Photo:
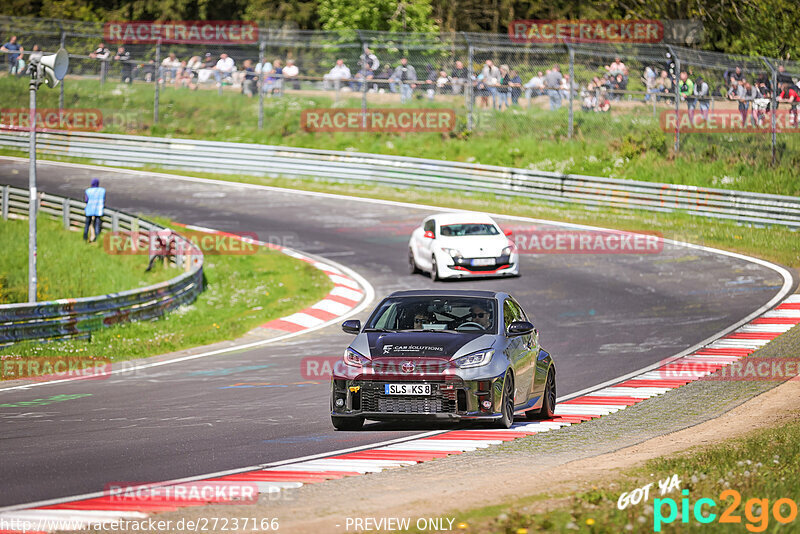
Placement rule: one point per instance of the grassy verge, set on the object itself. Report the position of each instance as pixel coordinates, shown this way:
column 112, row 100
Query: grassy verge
column 627, row 143
column 241, row 292
column 67, row 267
column 763, row 466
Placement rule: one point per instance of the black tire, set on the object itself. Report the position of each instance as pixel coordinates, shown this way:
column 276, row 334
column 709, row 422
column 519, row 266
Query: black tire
column 507, row 403
column 547, row 411
column 347, row 423
column 412, row 264
column 434, row 270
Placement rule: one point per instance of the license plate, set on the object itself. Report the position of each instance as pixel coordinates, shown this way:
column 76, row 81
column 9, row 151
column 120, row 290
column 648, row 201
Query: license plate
column 407, row 389
column 482, row 262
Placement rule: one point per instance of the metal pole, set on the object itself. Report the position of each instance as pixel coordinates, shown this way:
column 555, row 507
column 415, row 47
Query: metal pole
column 571, row 83
column 677, row 103
column 34, row 85
column 773, row 112
column 262, row 48
column 468, row 87
column 61, row 88
column 156, row 76
column 364, row 86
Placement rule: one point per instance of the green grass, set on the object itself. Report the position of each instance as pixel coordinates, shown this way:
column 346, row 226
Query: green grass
column 762, row 465
column 627, row 143
column 67, row 267
column 241, row 292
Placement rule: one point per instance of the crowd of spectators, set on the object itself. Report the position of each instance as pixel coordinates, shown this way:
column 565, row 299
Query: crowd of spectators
column 496, row 87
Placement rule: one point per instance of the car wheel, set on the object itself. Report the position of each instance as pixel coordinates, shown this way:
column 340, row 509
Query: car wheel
column 412, row 263
column 547, row 411
column 507, row 404
column 434, row 270
column 347, row 423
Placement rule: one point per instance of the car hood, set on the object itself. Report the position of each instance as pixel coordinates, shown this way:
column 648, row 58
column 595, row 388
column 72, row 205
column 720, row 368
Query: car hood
column 444, row 345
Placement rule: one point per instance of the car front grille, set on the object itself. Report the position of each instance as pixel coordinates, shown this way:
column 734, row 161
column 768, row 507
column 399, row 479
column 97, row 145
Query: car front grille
column 373, row 399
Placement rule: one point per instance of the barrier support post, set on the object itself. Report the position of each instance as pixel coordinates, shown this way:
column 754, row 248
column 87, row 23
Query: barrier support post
column 156, row 76
column 65, row 209
column 4, row 203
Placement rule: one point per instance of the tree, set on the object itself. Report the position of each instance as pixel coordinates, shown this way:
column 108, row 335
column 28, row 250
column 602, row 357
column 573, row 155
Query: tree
column 385, row 15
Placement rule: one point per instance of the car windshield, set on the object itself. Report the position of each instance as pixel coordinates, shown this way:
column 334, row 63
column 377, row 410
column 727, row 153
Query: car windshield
column 459, row 230
column 435, row 313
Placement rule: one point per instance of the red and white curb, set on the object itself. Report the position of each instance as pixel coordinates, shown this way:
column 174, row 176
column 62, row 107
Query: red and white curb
column 353, row 462
column 346, row 294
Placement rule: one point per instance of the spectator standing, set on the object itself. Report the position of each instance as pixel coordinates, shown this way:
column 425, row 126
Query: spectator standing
column 406, row 74
column 534, row 87
column 369, row 60
column 552, row 82
column 101, row 52
column 617, row 67
column 491, row 80
column 700, row 97
column 442, row 82
column 125, row 66
column 95, row 198
column 290, row 73
column 339, row 72
column 36, row 54
column 783, row 76
column 459, row 77
column 515, row 86
column 504, row 91
column 13, row 58
column 686, row 90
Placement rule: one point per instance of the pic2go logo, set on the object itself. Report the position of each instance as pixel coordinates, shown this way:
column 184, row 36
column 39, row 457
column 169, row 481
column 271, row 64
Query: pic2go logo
column 756, row 511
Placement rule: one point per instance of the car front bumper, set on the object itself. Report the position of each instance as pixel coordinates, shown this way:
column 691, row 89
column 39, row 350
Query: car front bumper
column 450, row 400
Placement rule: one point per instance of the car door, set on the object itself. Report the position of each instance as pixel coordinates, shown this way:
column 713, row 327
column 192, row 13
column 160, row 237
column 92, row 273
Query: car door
column 427, row 242
column 538, row 367
column 519, row 354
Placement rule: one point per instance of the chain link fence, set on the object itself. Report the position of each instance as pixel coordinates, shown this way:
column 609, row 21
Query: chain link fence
column 493, row 85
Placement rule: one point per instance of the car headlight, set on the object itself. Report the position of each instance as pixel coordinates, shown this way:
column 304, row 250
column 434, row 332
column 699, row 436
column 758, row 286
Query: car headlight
column 453, row 252
column 507, row 251
column 354, row 359
column 476, row 359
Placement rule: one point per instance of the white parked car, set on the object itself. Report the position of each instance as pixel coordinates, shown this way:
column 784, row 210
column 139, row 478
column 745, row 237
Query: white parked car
column 461, row 245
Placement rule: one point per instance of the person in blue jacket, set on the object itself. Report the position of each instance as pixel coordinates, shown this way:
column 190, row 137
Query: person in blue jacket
column 95, row 198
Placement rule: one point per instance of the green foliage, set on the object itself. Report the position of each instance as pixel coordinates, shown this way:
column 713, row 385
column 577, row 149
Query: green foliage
column 386, row 15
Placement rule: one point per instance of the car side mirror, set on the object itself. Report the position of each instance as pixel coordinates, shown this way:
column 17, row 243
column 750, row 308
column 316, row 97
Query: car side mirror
column 520, row 328
column 507, row 233
column 351, row 326
column 429, row 234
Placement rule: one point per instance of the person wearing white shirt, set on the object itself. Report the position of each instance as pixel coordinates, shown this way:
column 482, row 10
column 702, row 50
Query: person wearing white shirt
column 338, row 73
column 290, row 72
column 224, row 68
column 534, row 87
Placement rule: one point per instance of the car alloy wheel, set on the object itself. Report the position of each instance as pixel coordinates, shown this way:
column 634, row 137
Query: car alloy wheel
column 547, row 410
column 507, row 403
column 434, row 270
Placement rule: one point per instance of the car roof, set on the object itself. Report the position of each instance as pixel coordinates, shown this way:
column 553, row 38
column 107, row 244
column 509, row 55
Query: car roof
column 462, row 218
column 449, row 293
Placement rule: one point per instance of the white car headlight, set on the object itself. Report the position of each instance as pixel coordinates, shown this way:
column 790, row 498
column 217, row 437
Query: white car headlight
column 354, row 359
column 476, row 359
column 453, row 252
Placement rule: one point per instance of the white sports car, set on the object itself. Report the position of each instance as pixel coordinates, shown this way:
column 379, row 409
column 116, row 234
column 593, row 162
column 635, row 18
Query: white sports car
column 460, row 245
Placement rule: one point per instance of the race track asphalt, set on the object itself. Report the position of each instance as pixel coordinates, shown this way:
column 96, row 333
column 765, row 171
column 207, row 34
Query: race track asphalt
column 600, row 315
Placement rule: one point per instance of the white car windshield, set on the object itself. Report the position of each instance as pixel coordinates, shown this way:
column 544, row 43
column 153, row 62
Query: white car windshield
column 468, row 229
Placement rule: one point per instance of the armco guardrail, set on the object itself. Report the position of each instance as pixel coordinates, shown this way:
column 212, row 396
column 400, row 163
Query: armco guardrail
column 267, row 160
column 77, row 317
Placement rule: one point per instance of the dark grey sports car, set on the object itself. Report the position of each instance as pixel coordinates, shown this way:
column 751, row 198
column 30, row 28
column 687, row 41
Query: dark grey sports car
column 452, row 355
